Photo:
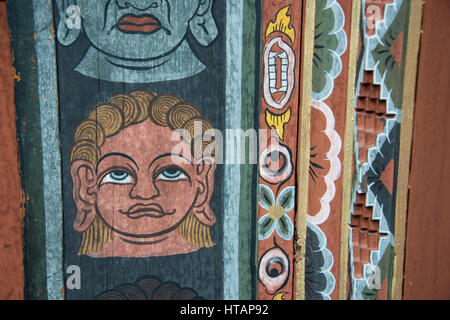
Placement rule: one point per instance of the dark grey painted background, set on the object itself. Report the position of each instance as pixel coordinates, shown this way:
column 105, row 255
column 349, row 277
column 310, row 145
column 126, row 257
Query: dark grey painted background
column 202, row 270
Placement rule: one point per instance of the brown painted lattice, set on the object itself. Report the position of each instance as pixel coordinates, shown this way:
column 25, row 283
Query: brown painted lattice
column 365, row 233
column 370, row 115
column 370, row 119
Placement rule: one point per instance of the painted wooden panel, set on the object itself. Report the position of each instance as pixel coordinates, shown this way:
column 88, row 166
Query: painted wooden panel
column 212, row 149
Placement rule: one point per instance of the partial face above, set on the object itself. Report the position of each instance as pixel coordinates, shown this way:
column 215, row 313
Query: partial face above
column 143, row 188
column 137, row 29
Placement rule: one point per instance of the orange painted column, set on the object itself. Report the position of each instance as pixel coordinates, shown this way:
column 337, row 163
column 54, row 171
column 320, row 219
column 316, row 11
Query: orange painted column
column 11, row 253
column 427, row 255
column 280, row 74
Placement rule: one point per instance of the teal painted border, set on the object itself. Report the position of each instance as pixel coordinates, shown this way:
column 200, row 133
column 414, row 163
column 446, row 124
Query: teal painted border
column 51, row 157
column 26, row 96
column 232, row 178
column 36, row 99
column 249, row 173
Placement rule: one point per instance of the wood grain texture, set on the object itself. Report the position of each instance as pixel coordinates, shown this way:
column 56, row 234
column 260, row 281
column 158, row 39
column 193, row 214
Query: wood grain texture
column 11, row 256
column 426, row 273
column 306, row 70
column 409, row 93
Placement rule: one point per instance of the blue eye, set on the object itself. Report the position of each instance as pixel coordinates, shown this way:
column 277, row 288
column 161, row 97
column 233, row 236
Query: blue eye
column 117, row 177
column 172, row 174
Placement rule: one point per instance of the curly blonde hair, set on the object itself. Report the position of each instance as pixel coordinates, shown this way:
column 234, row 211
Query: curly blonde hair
column 123, row 110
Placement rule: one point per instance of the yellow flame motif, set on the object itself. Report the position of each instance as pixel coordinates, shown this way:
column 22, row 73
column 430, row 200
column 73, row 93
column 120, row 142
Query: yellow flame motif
column 279, row 296
column 282, row 24
column 278, row 121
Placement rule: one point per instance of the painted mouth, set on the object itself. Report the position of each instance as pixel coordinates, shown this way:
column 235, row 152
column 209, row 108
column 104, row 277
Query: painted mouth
column 139, row 24
column 278, row 74
column 140, row 210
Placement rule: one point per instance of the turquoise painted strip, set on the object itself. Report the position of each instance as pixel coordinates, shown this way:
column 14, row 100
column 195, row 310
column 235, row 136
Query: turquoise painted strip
column 26, row 97
column 249, row 172
column 232, row 178
column 51, row 157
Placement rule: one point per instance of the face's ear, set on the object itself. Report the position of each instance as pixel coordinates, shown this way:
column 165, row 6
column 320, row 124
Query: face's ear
column 69, row 26
column 202, row 25
column 84, row 193
column 205, row 177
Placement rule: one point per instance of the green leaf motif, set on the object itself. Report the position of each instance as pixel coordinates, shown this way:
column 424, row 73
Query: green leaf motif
column 266, row 226
column 330, row 43
column 389, row 70
column 266, row 197
column 285, row 228
column 286, row 199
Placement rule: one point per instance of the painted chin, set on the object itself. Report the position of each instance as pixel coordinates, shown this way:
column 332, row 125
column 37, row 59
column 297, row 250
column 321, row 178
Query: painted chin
column 145, row 24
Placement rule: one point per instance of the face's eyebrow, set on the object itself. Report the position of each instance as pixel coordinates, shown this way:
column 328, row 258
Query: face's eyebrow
column 169, row 155
column 116, row 154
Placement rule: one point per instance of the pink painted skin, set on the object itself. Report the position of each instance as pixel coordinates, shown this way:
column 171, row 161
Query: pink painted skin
column 144, row 183
column 144, row 190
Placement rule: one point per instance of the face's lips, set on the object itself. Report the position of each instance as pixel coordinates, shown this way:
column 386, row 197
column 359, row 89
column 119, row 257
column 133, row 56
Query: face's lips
column 140, row 210
column 139, row 24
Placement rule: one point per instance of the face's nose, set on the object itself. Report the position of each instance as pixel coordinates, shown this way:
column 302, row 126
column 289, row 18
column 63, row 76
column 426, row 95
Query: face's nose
column 139, row 4
column 144, row 189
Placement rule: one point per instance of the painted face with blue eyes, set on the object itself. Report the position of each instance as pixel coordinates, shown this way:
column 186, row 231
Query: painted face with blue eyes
column 123, row 177
column 146, row 184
